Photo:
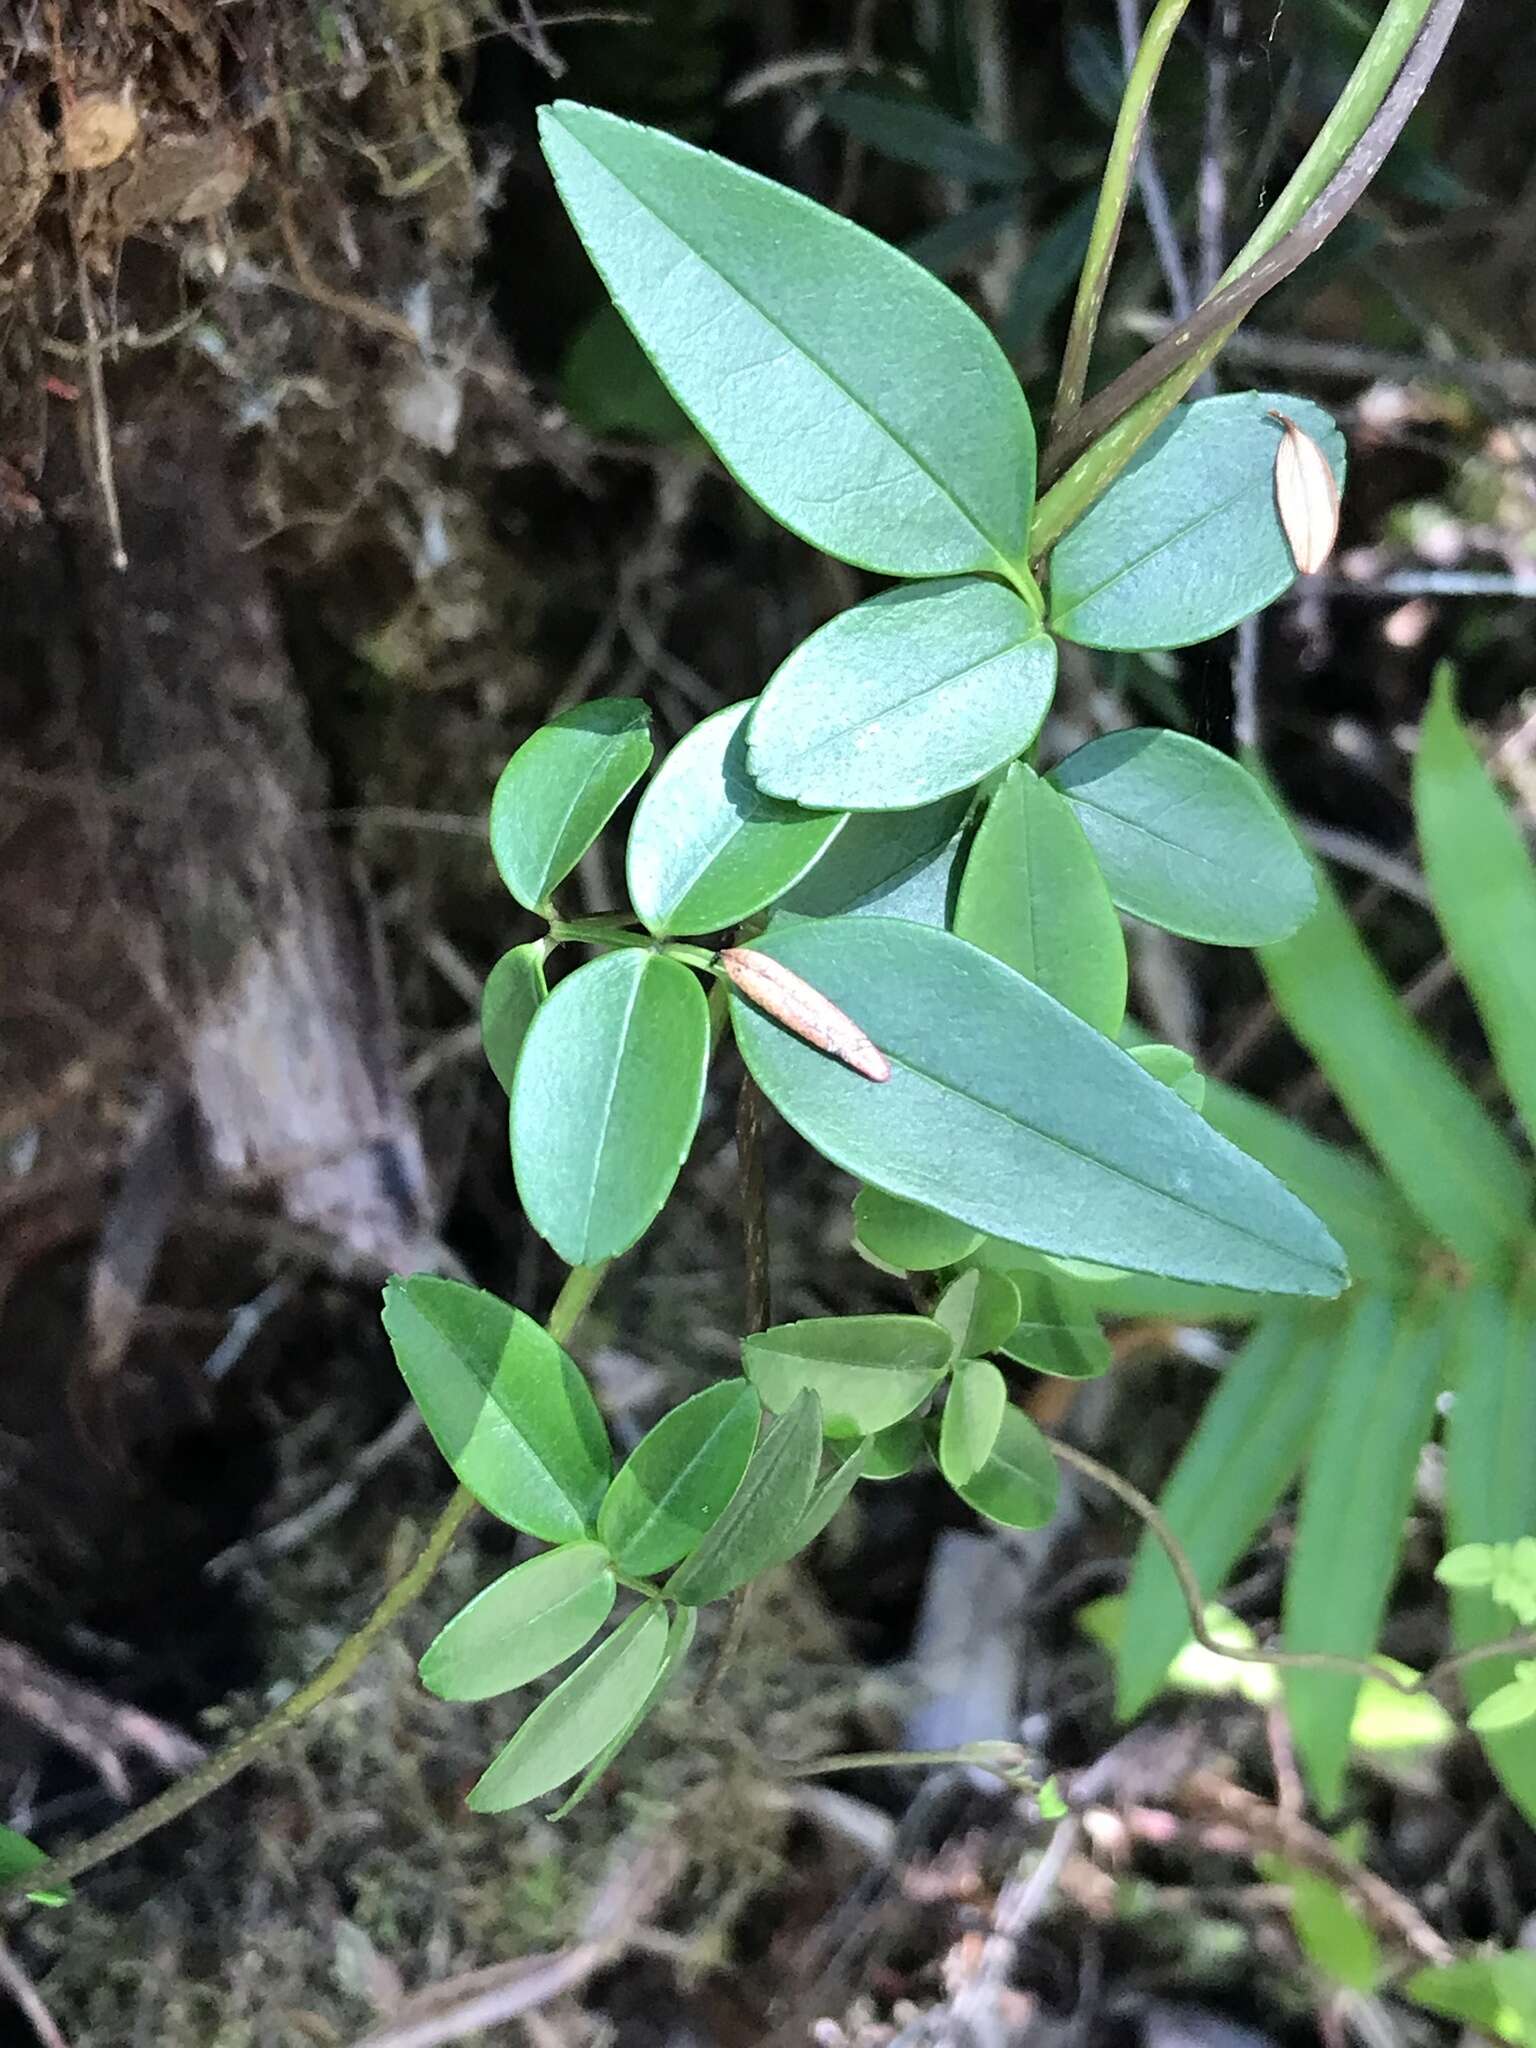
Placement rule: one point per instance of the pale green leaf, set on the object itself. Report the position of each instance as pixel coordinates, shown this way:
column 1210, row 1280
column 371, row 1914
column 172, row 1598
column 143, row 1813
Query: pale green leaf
column 866, row 1371
column 530, row 1619
column 674, row 1484
column 560, row 789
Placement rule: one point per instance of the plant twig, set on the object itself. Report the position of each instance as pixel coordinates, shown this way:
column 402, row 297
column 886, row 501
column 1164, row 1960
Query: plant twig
column 1155, row 203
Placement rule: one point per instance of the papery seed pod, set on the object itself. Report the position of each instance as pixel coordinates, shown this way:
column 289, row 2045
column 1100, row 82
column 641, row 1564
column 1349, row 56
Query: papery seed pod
column 1306, row 496
column 803, row 1010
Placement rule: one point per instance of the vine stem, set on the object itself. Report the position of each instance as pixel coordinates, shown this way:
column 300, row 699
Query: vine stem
column 575, row 1297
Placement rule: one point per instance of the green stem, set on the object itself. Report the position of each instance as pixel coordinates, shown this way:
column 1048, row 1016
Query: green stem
column 596, row 931
column 1109, row 216
column 575, row 1296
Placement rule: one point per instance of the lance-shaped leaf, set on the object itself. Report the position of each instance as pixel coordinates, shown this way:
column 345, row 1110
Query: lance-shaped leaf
column 910, row 697
column 1005, row 1111
column 560, row 789
column 681, row 1629
column 527, row 1621
column 676, row 1481
column 978, row 1309
column 866, row 1371
column 1018, row 1482
column 580, row 1718
column 972, row 1420
column 514, row 989
column 1376, row 1413
column 857, row 399
column 606, row 1100
column 907, row 1237
column 707, row 847
column 1034, row 896
column 1189, row 539
column 913, row 132
column 506, row 1407
column 1484, row 888
column 1187, row 838
column 887, row 864
column 772, row 1498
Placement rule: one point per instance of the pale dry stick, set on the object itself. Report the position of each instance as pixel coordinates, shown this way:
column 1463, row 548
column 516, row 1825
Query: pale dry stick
column 23, row 1993
column 1149, row 182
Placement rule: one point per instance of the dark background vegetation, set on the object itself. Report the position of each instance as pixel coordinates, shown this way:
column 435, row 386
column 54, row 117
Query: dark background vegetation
column 289, row 284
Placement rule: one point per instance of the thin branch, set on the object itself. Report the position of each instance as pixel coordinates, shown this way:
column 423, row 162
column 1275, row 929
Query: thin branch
column 1149, row 183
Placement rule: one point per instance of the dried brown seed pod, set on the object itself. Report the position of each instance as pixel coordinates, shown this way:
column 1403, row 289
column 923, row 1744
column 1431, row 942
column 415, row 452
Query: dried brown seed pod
column 1306, row 495
column 803, row 1010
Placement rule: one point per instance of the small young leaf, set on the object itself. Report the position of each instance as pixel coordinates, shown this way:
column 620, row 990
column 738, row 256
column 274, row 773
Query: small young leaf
column 1468, row 1565
column 1188, row 540
column 1057, row 1332
column 1334, row 1936
column 1495, row 1994
column 909, row 697
column 772, row 1497
column 861, row 403
column 866, row 1371
column 1018, row 1483
column 1484, row 889
column 1171, row 1065
column 972, row 1420
column 579, row 1718
column 887, row 864
column 907, row 1237
column 506, row 1407
column 606, row 1100
column 680, row 1633
column 560, row 789
column 1033, row 896
column 913, row 132
column 896, row 1451
column 524, row 1623
column 1187, row 839
column 514, row 989
column 979, row 1309
column 707, row 847
column 1387, row 1720
column 1007, row 1112
column 676, row 1481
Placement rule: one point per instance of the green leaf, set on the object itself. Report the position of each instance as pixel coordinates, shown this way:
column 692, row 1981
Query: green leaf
column 1450, row 1160
column 1375, row 1415
column 1046, row 277
column 1057, row 1331
column 1334, row 1936
column 580, row 1718
column 913, row 132
column 1033, row 896
column 606, row 1101
column 947, row 245
column 680, row 1633
column 896, row 1451
column 1240, row 1460
column 1495, row 1994
column 1007, row 1112
column 560, row 789
column 972, row 1420
column 1197, row 1669
column 1187, row 838
column 887, row 864
column 506, row 1407
column 828, row 1497
column 530, row 1619
column 676, row 1481
column 905, row 1236
column 514, row 989
column 866, row 1371
column 707, row 846
column 979, row 1309
column 17, row 1856
column 1188, row 539
column 1505, row 1707
column 1387, row 1720
column 911, row 696
column 859, row 402
column 1468, row 1565
column 609, row 387
column 1490, row 1489
column 1484, row 890
column 1174, row 1067
column 772, row 1497
column 1019, row 1482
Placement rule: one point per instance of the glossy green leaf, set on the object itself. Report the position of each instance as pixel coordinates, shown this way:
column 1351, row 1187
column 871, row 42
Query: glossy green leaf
column 829, row 1496
column 506, row 1407
column 905, row 1236
column 1188, row 539
column 866, row 1371
column 772, row 1497
column 1376, row 1412
column 1171, row 1065
column 1009, row 1113
column 1490, row 1487
column 1334, row 1936
column 913, row 132
column 1033, row 895
column 514, row 989
column 972, row 1420
column 1240, row 1460
column 1449, row 1159
column 1484, row 890
column 978, row 1309
column 707, row 846
column 580, row 1718
column 606, row 1100
column 17, row 1857
column 887, row 864
column 681, row 1630
column 1057, row 1331
column 1495, row 1994
column 1018, row 1484
column 678, row 1478
column 859, row 402
column 560, row 789
column 909, row 697
column 527, row 1621
column 896, row 1451
column 609, row 387
column 1187, row 838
